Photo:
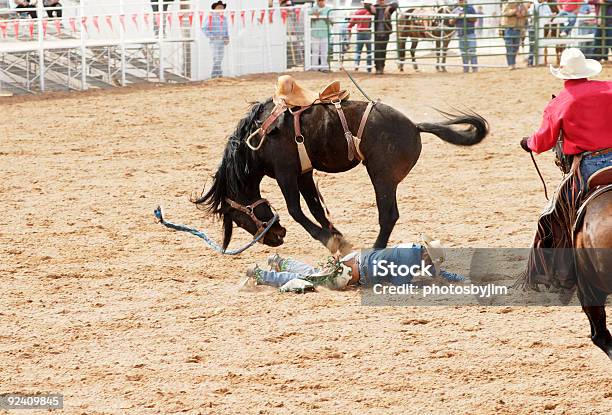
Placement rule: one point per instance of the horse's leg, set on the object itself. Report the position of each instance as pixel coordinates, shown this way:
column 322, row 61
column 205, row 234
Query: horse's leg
column 401, row 44
column 597, row 318
column 388, row 213
column 289, row 186
column 444, row 51
column 413, row 45
column 309, row 192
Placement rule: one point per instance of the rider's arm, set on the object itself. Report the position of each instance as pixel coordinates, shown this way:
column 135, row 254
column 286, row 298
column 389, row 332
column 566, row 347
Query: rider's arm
column 545, row 138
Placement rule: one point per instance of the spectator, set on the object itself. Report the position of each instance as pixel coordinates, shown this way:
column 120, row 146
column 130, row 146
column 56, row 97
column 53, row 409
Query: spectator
column 362, row 21
column 514, row 19
column 544, row 14
column 320, row 35
column 27, row 4
column 570, row 11
column 54, row 8
column 216, row 31
column 382, row 30
column 603, row 33
column 466, row 34
column 165, row 4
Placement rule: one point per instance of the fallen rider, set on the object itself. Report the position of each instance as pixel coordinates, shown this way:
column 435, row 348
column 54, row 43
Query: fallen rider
column 366, row 268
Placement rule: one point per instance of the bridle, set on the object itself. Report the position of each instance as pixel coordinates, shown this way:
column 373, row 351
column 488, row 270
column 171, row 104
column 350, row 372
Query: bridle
column 249, row 210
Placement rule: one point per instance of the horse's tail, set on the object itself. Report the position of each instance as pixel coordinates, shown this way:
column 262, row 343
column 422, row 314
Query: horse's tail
column 477, row 130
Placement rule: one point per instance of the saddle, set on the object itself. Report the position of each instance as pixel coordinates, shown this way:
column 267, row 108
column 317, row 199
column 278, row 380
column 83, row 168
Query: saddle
column 290, row 96
column 600, row 182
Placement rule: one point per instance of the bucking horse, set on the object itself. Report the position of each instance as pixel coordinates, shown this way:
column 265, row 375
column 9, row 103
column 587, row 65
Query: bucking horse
column 320, row 125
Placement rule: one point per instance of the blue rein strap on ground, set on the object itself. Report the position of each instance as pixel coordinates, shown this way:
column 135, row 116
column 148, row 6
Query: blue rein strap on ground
column 183, row 228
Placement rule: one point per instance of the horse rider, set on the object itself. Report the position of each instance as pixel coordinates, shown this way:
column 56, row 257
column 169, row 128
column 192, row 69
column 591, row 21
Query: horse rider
column 577, row 121
column 366, row 267
column 581, row 113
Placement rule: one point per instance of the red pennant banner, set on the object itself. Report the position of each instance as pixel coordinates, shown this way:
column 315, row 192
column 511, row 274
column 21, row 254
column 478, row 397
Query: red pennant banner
column 201, row 19
column 169, row 17
column 45, row 23
column 210, row 20
column 181, row 17
column 3, row 26
column 157, row 19
column 262, row 16
column 58, row 26
column 135, row 20
column 16, row 27
column 122, row 21
column 31, row 28
column 72, row 23
column 252, row 15
column 84, row 23
column 95, row 23
column 146, row 19
column 190, row 15
column 284, row 14
column 297, row 13
column 109, row 22
column 221, row 18
column 232, row 16
column 271, row 15
column 242, row 16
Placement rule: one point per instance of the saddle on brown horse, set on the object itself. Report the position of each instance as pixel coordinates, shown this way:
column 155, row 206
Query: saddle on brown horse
column 292, row 97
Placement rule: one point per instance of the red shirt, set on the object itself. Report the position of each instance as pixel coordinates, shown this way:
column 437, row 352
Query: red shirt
column 583, row 109
column 363, row 23
column 568, row 7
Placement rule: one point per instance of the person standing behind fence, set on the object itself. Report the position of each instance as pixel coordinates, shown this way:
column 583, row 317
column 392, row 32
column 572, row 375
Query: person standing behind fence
column 382, row 12
column 540, row 11
column 362, row 21
column 570, row 11
column 603, row 33
column 514, row 20
column 320, row 35
column 216, row 31
column 466, row 34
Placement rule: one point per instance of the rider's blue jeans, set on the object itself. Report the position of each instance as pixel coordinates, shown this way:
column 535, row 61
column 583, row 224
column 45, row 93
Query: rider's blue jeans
column 590, row 164
column 290, row 270
column 467, row 45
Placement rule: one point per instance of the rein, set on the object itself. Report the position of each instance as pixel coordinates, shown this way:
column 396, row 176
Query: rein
column 539, row 174
column 262, row 227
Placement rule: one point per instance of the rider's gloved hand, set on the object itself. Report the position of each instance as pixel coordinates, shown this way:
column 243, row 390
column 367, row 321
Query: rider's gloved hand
column 524, row 144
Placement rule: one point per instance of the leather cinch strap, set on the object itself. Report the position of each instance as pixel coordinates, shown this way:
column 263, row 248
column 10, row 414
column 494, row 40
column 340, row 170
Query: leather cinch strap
column 305, row 163
column 348, row 135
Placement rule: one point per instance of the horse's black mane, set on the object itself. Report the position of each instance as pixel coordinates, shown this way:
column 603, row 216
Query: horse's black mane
column 235, row 167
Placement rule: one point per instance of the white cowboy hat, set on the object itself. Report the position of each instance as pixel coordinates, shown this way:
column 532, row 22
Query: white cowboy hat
column 574, row 65
column 435, row 250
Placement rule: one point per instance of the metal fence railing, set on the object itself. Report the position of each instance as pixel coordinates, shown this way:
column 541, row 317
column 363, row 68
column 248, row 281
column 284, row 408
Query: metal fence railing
column 106, row 43
column 494, row 34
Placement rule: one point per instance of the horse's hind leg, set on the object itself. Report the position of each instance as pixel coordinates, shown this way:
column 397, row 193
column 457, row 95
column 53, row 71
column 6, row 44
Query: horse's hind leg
column 388, row 213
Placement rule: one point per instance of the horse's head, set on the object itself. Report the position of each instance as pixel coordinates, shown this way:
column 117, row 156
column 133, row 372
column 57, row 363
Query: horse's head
column 234, row 195
column 253, row 217
column 443, row 17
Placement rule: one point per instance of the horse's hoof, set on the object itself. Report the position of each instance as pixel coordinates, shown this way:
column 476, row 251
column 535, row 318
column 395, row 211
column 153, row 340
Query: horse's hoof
column 337, row 243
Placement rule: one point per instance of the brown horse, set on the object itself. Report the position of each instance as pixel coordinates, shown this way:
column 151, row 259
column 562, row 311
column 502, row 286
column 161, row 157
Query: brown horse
column 594, row 267
column 415, row 24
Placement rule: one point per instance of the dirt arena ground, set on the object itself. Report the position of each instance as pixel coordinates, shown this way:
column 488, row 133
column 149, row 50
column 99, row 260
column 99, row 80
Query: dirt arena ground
column 122, row 316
